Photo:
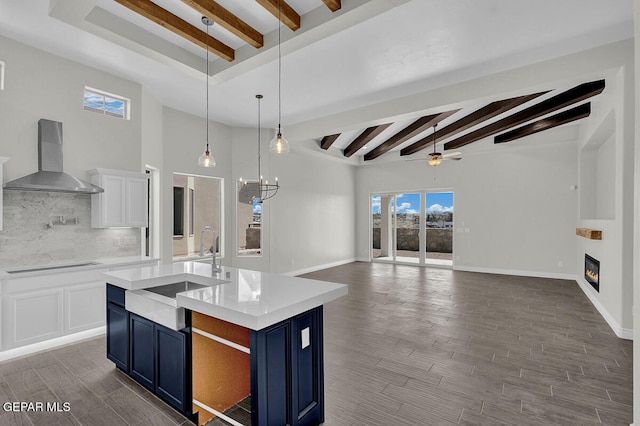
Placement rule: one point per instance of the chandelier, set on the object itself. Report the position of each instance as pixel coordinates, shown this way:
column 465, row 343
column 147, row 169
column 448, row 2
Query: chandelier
column 261, row 190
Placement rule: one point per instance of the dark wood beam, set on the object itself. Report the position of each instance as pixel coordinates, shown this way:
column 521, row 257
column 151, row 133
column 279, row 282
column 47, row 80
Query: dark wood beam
column 365, row 137
column 227, row 20
column 413, row 129
column 564, row 117
column 485, row 113
column 281, row 10
column 327, row 141
column 562, row 100
column 333, row 5
column 168, row 20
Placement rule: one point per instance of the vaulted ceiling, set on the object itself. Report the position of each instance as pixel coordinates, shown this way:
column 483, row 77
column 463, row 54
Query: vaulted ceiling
column 345, row 56
column 374, row 141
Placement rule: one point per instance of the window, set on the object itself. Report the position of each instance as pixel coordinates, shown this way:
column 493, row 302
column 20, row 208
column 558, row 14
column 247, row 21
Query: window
column 249, row 220
column 1, row 75
column 106, row 103
column 178, row 211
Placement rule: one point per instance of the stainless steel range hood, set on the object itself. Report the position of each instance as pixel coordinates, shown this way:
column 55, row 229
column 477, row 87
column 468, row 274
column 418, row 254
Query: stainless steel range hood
column 50, row 177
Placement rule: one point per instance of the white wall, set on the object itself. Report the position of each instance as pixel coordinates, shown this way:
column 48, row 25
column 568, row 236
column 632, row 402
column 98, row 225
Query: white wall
column 42, row 85
column 312, row 219
column 610, row 131
column 514, row 210
column 183, row 140
column 152, row 157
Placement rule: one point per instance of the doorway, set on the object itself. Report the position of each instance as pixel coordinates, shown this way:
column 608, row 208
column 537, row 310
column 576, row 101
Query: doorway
column 412, row 228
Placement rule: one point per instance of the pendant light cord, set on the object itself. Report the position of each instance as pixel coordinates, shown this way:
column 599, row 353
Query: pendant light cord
column 259, row 156
column 207, row 44
column 279, row 69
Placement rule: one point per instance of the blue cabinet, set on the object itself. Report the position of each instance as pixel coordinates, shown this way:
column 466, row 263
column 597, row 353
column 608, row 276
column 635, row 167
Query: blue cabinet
column 117, row 328
column 141, row 342
column 173, row 367
column 118, row 336
column 155, row 356
column 287, row 383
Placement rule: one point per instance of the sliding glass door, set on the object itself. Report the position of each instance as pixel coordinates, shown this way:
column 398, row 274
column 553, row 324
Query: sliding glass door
column 412, row 228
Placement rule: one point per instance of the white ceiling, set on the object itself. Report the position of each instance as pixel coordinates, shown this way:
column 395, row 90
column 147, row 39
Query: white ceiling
column 392, row 52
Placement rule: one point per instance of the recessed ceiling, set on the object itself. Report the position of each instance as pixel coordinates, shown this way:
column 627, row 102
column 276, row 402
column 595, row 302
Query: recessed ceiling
column 370, row 51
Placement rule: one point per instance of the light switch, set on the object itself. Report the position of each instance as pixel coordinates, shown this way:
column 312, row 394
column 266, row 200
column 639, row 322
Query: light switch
column 304, row 337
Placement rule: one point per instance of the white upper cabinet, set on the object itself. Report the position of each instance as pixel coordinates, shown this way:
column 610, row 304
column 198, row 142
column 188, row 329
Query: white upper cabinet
column 2, row 161
column 124, row 200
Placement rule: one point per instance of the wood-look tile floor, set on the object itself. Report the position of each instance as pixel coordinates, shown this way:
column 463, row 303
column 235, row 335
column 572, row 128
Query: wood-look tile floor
column 407, row 346
column 426, row 346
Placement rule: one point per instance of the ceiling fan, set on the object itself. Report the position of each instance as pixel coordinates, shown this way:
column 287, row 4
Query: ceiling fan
column 435, row 158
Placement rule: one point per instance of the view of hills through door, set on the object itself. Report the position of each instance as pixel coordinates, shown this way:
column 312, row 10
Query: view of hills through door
column 412, row 227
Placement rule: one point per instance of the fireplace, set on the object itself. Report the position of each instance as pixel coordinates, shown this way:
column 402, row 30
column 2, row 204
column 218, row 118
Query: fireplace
column 592, row 271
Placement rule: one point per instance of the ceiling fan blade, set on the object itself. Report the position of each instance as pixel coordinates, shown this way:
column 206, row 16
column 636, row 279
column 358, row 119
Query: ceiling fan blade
column 453, row 158
column 451, row 154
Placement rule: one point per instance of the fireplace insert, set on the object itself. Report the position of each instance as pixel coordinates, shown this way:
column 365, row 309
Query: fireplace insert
column 592, row 271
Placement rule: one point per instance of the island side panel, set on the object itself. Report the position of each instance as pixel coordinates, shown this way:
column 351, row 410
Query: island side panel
column 221, row 373
column 288, row 372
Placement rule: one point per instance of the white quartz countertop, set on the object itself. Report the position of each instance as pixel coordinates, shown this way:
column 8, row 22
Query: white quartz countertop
column 248, row 298
column 79, row 265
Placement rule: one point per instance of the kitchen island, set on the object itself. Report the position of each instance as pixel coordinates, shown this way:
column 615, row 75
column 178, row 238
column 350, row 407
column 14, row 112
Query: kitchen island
column 205, row 340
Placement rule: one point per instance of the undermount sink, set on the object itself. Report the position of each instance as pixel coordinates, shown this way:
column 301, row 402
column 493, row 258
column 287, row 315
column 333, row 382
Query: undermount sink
column 170, row 290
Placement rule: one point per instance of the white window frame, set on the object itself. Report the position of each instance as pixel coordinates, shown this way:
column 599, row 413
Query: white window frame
column 127, row 102
column 2, row 75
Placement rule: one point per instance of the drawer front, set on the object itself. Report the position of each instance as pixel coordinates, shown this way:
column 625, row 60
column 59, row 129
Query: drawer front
column 115, row 295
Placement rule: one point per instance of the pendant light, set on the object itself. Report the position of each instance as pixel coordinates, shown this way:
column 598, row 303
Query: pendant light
column 207, row 159
column 436, row 157
column 261, row 190
column 279, row 145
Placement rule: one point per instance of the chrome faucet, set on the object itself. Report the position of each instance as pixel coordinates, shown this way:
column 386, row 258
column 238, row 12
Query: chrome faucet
column 214, row 266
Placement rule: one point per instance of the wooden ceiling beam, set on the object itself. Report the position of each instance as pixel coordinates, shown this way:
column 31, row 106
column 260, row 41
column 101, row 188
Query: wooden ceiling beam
column 365, row 137
column 333, row 5
column 564, row 117
column 562, row 100
column 168, row 20
column 227, row 20
column 327, row 141
column 485, row 113
column 415, row 128
column 281, row 10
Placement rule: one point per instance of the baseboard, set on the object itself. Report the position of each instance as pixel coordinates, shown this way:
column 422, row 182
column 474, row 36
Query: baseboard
column 515, row 272
column 623, row 333
column 363, row 259
column 319, row 267
column 52, row 343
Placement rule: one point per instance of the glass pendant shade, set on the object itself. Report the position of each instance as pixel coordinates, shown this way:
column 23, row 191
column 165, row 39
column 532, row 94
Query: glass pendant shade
column 207, row 159
column 279, row 145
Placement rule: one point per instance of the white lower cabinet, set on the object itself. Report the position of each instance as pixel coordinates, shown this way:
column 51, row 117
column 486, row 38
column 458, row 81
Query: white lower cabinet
column 39, row 308
column 32, row 317
column 84, row 307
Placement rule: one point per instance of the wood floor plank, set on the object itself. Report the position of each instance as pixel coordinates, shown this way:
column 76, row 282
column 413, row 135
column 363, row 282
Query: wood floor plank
column 407, row 346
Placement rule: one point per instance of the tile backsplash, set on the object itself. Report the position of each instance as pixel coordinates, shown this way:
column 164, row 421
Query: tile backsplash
column 27, row 240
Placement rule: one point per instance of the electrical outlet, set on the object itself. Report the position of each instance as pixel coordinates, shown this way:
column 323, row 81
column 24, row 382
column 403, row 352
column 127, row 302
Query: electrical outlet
column 130, row 241
column 117, row 241
column 560, row 264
